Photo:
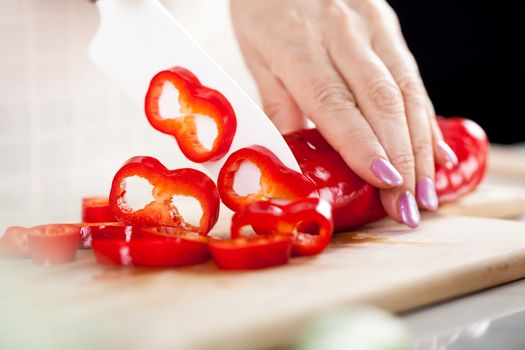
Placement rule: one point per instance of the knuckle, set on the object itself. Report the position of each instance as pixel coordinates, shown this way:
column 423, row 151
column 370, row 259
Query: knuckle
column 385, row 96
column 422, row 148
column 271, row 107
column 405, row 163
column 332, row 97
column 412, row 89
column 356, row 135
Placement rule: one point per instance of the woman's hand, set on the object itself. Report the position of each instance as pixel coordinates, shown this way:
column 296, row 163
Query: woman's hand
column 346, row 66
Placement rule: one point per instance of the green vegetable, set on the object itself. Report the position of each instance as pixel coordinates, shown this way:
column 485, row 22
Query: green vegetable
column 362, row 328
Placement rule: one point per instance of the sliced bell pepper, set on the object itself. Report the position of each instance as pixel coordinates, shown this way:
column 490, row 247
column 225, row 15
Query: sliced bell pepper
column 357, row 203
column 247, row 253
column 276, row 181
column 169, row 250
column 166, row 184
column 54, row 244
column 470, row 144
column 297, row 218
column 110, row 244
column 88, row 230
column 194, row 99
column 13, row 244
column 111, row 252
column 149, row 247
column 96, row 209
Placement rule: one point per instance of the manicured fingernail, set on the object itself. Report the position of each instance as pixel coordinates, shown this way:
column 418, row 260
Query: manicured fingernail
column 386, row 172
column 450, row 157
column 408, row 211
column 426, row 194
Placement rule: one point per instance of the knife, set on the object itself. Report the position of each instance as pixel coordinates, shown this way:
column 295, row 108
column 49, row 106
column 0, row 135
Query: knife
column 138, row 38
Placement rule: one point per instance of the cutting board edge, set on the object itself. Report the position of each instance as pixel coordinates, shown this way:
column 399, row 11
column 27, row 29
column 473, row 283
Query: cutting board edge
column 473, row 279
column 427, row 292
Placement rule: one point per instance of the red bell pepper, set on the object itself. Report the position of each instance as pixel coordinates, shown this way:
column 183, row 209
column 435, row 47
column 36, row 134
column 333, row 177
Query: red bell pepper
column 88, row 230
column 294, row 218
column 194, row 99
column 169, row 251
column 149, row 247
column 277, row 181
column 54, row 244
column 13, row 244
column 247, row 253
column 110, row 243
column 166, row 184
column 96, row 209
column 355, row 202
column 470, row 144
column 111, row 252
column 283, row 227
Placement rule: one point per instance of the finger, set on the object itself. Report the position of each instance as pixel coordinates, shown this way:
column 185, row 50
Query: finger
column 323, row 96
column 401, row 64
column 445, row 156
column 381, row 102
column 277, row 102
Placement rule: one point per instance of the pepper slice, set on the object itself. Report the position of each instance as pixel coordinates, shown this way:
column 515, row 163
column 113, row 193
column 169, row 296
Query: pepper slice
column 297, row 218
column 247, row 253
column 53, row 244
column 110, row 244
column 166, row 184
column 276, row 181
column 355, row 202
column 111, row 252
column 194, row 99
column 182, row 249
column 13, row 244
column 149, row 247
column 90, row 230
column 96, row 209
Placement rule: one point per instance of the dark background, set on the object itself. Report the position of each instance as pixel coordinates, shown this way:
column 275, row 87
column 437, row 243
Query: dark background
column 470, row 54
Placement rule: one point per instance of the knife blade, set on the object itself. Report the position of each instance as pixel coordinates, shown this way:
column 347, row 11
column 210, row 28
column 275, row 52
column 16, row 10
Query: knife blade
column 138, row 38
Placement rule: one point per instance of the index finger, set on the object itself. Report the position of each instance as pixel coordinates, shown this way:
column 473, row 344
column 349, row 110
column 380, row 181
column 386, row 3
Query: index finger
column 323, row 96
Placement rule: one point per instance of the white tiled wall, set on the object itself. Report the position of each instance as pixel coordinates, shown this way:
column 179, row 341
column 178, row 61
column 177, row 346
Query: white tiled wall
column 64, row 129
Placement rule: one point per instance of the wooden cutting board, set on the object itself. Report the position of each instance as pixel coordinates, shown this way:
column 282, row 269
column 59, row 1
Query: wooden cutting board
column 490, row 201
column 508, row 161
column 198, row 307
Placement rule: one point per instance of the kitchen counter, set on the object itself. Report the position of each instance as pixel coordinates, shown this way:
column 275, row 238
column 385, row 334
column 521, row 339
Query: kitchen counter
column 491, row 319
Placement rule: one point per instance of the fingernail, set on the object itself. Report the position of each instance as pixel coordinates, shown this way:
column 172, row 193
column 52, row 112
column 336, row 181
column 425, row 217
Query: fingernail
column 386, row 172
column 426, row 194
column 450, row 157
column 408, row 211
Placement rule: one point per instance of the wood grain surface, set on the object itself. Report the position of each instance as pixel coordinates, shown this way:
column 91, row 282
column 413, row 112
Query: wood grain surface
column 202, row 307
column 491, row 201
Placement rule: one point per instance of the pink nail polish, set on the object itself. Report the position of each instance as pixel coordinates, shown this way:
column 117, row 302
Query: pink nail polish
column 447, row 153
column 408, row 211
column 426, row 194
column 386, row 172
